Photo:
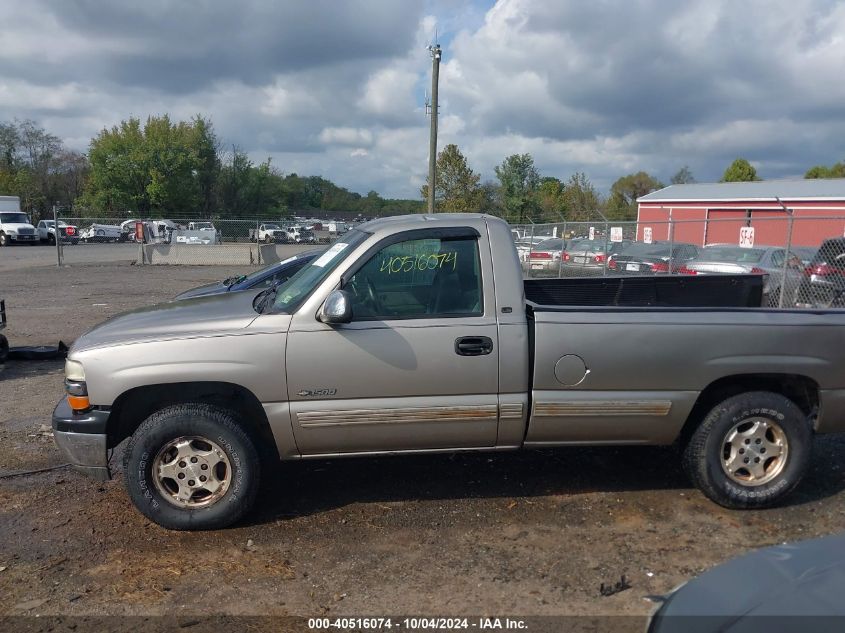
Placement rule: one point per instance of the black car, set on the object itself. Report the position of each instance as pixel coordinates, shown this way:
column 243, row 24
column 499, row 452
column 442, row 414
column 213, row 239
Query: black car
column 260, row 279
column 648, row 259
column 823, row 283
column 794, row 587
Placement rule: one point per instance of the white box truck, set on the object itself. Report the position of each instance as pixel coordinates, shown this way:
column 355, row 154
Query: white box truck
column 15, row 227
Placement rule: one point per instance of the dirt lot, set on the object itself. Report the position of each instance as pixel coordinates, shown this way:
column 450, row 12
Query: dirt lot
column 533, row 533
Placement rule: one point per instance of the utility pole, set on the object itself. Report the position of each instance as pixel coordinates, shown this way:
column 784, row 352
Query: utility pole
column 432, row 145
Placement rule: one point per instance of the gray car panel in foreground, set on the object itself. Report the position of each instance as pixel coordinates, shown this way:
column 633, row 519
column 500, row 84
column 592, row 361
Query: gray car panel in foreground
column 433, row 354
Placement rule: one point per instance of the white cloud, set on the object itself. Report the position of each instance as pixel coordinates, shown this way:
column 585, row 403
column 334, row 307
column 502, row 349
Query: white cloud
column 336, row 89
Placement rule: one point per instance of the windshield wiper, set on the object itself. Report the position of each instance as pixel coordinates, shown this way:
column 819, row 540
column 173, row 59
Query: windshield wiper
column 231, row 281
column 265, row 298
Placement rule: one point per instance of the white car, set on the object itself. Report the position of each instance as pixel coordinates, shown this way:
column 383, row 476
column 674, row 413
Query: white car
column 102, row 233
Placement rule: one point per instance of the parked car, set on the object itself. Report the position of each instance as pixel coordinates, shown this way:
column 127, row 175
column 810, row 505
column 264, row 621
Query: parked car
column 640, row 258
column 545, row 256
column 823, row 281
column 589, row 257
column 806, row 253
column 763, row 260
column 260, row 279
column 47, row 232
column 127, row 228
column 102, row 233
column 784, row 588
column 413, row 335
column 525, row 245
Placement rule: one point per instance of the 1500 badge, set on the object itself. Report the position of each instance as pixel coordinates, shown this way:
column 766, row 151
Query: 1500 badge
column 314, row 393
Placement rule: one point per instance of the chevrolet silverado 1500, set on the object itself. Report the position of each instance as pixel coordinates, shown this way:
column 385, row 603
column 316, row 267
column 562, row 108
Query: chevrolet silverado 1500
column 418, row 334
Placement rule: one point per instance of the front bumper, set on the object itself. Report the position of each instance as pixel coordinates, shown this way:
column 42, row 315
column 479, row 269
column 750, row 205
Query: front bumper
column 82, row 438
column 15, row 237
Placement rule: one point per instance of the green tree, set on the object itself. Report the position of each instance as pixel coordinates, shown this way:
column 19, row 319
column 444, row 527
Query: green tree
column 457, row 186
column 581, row 200
column 518, row 182
column 683, row 176
column 622, row 204
column 740, row 171
column 550, row 199
column 160, row 167
column 823, row 171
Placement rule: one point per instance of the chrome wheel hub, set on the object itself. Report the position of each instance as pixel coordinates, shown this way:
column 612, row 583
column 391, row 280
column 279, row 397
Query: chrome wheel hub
column 191, row 472
column 754, row 451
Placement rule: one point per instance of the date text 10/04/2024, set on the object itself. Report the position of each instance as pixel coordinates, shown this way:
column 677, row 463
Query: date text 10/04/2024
column 417, row 623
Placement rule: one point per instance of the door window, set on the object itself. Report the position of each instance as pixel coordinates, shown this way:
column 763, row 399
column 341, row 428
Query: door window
column 424, row 278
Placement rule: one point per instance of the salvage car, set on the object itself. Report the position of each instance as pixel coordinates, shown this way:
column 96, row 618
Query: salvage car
column 418, row 334
column 276, row 273
column 823, row 282
column 641, row 258
column 787, row 587
column 590, row 257
column 764, row 260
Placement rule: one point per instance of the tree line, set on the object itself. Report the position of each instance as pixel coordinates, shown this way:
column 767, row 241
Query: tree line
column 165, row 168
column 181, row 169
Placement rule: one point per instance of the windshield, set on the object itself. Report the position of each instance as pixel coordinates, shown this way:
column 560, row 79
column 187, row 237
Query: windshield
column 733, row 254
column 590, row 246
column 204, row 225
column 550, row 245
column 14, row 218
column 271, row 227
column 642, row 249
column 295, row 290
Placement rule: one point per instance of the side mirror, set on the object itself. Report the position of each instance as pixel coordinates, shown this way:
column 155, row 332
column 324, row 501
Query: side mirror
column 337, row 308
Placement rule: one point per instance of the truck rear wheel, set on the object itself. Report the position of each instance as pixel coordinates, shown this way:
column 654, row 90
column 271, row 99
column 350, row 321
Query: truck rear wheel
column 750, row 451
column 192, row 467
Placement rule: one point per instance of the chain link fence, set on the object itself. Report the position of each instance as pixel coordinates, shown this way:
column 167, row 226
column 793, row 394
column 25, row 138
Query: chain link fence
column 801, row 264
column 801, row 261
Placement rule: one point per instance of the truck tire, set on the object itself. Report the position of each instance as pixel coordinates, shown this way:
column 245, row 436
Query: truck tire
column 4, row 241
column 750, row 451
column 192, row 466
column 4, row 349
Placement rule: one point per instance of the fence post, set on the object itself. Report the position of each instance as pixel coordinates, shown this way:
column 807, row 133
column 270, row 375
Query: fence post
column 57, row 237
column 606, row 248
column 783, row 279
column 671, row 242
column 258, row 243
column 530, row 248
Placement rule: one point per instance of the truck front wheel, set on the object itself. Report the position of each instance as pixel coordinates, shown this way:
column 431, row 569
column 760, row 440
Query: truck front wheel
column 750, row 451
column 192, row 467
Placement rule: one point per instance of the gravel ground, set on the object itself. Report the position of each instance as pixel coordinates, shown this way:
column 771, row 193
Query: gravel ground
column 532, row 533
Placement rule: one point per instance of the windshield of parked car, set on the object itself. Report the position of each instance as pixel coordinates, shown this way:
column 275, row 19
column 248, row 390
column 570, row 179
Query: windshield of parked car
column 271, row 227
column 296, row 289
column 204, row 225
column 550, row 245
column 590, row 246
column 732, row 254
column 14, row 218
column 641, row 249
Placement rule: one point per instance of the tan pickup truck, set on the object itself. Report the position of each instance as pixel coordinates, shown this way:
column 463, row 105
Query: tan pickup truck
column 418, row 334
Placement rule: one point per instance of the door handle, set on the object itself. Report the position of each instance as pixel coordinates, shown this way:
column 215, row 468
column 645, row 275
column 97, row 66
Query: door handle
column 473, row 345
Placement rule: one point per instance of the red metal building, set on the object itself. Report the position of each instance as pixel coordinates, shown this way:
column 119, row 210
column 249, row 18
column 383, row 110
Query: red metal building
column 709, row 213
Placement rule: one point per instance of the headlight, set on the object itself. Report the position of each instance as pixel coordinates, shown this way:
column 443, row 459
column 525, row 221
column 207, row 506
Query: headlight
column 12, row 231
column 74, row 371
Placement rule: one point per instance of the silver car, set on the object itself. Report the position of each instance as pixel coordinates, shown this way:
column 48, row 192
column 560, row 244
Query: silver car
column 764, row 260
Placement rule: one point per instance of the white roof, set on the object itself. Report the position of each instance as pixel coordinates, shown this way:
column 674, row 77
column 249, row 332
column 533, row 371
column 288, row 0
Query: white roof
column 769, row 190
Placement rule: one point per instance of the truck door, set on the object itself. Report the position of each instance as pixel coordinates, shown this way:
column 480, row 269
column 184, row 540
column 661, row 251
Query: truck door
column 417, row 368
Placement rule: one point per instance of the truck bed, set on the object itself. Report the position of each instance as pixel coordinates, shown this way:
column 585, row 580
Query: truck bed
column 711, row 291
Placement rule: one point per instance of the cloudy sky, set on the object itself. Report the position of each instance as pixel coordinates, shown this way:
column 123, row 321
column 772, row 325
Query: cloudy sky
column 336, row 87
